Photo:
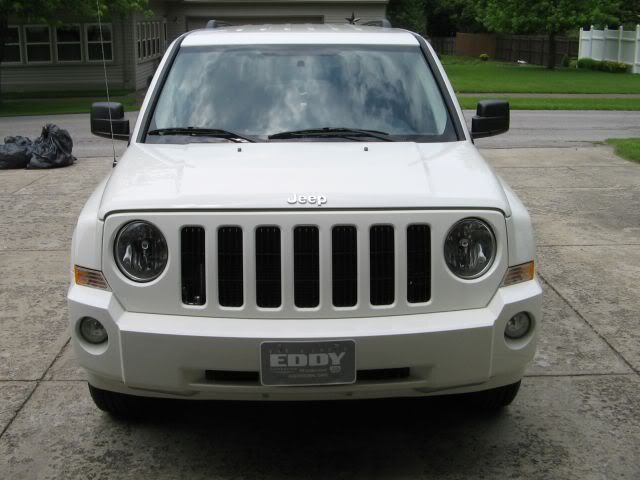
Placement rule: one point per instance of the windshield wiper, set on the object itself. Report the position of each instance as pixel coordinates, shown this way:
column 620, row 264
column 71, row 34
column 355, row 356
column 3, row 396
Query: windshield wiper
column 202, row 132
column 332, row 132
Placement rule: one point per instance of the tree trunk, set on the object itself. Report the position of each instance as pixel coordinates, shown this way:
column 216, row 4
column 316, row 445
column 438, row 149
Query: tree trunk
column 551, row 61
column 4, row 23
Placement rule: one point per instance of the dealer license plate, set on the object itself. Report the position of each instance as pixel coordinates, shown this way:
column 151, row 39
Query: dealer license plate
column 308, row 363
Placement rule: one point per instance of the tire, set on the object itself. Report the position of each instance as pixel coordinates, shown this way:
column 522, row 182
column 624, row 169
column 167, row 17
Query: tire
column 496, row 398
column 120, row 405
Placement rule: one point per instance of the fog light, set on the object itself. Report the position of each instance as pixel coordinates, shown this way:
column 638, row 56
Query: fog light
column 92, row 331
column 518, row 326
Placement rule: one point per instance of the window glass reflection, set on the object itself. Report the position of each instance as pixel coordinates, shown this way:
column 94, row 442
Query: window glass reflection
column 262, row 90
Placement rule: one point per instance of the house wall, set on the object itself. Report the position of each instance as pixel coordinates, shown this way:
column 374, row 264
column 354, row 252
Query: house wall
column 145, row 64
column 130, row 70
column 180, row 16
column 83, row 75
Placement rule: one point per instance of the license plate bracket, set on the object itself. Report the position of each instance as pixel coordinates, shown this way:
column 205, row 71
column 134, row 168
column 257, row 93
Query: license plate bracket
column 307, row 363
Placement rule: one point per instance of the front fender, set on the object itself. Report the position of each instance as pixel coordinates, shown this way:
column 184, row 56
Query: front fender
column 522, row 245
column 86, row 243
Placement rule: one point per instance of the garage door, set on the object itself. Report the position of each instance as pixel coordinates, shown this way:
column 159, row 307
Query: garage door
column 200, row 22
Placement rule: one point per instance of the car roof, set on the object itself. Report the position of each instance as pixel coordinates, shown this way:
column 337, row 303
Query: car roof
column 297, row 34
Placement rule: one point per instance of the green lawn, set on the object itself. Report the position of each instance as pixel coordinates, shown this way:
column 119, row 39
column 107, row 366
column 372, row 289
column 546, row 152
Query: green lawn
column 628, row 148
column 470, row 75
column 51, row 103
column 558, row 103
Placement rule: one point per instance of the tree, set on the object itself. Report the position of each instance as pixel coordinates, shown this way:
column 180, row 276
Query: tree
column 552, row 17
column 436, row 18
column 630, row 13
column 447, row 17
column 409, row 14
column 50, row 11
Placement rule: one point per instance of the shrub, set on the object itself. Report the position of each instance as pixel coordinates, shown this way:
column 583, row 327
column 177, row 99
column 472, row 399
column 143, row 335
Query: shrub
column 573, row 63
column 604, row 66
column 614, row 67
column 587, row 63
column 484, row 57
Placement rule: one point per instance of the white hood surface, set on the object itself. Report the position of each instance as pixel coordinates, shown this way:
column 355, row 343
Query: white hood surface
column 254, row 176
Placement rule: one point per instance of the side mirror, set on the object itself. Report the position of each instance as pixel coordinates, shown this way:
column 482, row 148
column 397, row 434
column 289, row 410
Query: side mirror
column 492, row 118
column 104, row 113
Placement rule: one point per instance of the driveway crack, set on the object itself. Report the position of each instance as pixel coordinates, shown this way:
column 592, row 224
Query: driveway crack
column 38, row 382
column 582, row 317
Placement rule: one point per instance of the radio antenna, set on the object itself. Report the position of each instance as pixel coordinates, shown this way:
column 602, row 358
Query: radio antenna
column 106, row 82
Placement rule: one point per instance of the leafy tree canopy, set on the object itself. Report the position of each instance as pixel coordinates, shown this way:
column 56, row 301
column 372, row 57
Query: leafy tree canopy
column 551, row 17
column 630, row 13
column 409, row 14
column 436, row 18
column 545, row 16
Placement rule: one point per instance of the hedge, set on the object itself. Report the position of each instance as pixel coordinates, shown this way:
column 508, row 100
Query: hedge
column 603, row 66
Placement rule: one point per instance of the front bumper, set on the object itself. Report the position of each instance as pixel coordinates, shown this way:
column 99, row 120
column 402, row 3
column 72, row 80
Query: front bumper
column 167, row 355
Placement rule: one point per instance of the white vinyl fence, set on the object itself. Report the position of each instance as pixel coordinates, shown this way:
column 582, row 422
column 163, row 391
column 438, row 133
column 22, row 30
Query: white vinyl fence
column 612, row 45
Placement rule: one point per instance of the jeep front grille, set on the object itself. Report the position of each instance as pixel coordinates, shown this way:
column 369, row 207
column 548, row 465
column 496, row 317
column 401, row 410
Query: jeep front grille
column 268, row 267
column 230, row 277
column 194, row 288
column 418, row 263
column 306, row 267
column 382, row 276
column 344, row 261
column 305, row 250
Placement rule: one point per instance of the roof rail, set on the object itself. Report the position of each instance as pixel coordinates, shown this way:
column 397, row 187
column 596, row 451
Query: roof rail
column 217, row 24
column 383, row 22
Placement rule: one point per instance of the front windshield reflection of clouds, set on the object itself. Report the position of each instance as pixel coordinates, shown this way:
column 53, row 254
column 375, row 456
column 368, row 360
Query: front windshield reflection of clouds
column 262, row 90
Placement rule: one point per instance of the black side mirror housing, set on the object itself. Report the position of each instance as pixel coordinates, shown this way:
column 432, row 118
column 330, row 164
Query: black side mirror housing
column 492, row 118
column 108, row 115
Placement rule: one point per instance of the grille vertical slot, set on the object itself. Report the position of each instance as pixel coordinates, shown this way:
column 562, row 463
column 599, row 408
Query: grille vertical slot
column 230, row 262
column 382, row 265
column 344, row 244
column 192, row 260
column 268, row 267
column 418, row 263
column 306, row 267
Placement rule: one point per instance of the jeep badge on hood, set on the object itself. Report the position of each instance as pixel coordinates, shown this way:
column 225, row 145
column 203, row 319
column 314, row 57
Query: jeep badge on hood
column 317, row 200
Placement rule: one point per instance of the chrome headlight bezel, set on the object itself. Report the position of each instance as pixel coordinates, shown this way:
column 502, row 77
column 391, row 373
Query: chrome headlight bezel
column 161, row 242
column 494, row 247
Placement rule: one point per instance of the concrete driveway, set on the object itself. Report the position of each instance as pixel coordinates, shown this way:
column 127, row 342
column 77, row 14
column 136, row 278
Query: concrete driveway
column 577, row 416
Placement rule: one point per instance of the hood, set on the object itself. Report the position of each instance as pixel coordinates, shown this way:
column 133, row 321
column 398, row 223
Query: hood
column 214, row 176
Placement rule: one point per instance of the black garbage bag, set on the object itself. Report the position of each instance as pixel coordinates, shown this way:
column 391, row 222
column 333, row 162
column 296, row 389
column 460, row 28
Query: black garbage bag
column 13, row 155
column 20, row 141
column 52, row 149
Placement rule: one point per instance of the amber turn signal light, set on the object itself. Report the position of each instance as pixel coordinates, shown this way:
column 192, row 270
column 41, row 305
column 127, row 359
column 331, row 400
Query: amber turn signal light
column 519, row 273
column 90, row 278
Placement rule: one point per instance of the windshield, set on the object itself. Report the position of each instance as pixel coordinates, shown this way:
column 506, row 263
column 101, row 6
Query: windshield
column 265, row 90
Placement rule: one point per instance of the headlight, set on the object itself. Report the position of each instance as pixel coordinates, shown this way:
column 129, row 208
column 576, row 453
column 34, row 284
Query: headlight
column 141, row 251
column 470, row 248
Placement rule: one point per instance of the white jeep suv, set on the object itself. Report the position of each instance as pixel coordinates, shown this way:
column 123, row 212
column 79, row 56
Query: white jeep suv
column 301, row 214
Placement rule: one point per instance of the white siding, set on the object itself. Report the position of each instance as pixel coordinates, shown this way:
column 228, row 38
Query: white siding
column 129, row 72
column 146, row 67
column 82, row 76
column 187, row 14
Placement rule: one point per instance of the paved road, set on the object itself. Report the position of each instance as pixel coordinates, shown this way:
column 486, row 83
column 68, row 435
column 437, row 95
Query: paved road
column 539, row 128
column 528, row 129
